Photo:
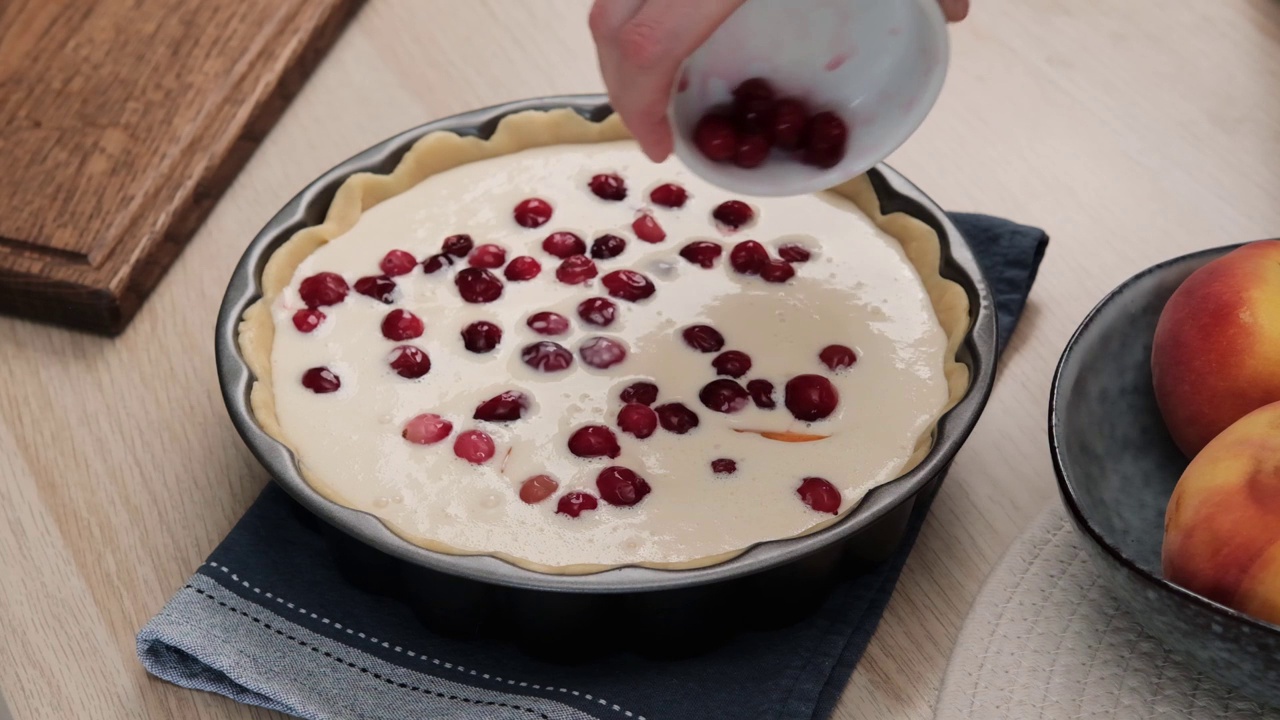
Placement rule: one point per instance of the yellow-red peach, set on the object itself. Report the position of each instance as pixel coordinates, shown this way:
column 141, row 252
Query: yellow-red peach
column 1216, row 351
column 1222, row 525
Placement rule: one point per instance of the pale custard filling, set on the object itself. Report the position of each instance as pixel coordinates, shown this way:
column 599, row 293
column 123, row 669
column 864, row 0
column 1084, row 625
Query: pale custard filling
column 858, row 289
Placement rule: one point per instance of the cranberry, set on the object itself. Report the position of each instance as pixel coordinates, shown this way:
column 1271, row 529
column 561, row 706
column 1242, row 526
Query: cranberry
column 575, row 503
column 819, row 495
column 474, row 446
column 627, row 285
column 794, row 253
column 754, row 88
column 401, row 325
column 648, row 229
column 478, row 285
column 724, row 466
column 669, row 195
column 607, row 246
column 787, row 125
column 715, row 137
column 675, row 417
column 576, row 270
column 409, row 362
column 321, row 380
column 427, row 429
column 457, row 245
column 724, row 396
column 825, row 137
column 733, row 213
column 754, row 116
column 487, row 256
column 591, row 441
column 703, row 338
column 702, row 252
column 837, row 357
column 644, row 393
column 777, row 271
column 602, row 352
column 811, row 397
column 733, row 363
column 532, row 213
column 621, row 486
column 546, row 356
column 638, row 420
column 481, row 336
column 752, row 150
column 396, row 263
column 436, row 263
column 548, row 323
column 608, row 187
column 307, row 320
column 598, row 311
column 378, row 287
column 748, row 257
column 503, row 407
column 762, row 393
column 522, row 268
column 322, row 289
column 538, row 488
column 563, row 244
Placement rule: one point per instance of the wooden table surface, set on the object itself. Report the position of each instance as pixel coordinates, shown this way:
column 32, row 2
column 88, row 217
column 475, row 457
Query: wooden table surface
column 1133, row 131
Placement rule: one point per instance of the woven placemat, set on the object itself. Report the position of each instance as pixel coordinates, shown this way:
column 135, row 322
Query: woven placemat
column 1045, row 639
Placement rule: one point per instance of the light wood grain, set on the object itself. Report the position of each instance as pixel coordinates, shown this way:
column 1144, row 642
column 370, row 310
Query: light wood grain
column 1132, row 131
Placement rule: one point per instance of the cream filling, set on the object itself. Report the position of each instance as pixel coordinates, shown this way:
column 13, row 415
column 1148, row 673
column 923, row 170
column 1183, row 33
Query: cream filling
column 858, row 290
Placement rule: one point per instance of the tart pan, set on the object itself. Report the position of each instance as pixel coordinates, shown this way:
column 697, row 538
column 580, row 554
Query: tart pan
column 673, row 610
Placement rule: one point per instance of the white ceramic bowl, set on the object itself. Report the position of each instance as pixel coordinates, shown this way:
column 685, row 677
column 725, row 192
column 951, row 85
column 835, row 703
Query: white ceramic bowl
column 880, row 64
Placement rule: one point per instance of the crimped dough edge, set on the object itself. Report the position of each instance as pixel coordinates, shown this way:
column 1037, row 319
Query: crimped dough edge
column 442, row 150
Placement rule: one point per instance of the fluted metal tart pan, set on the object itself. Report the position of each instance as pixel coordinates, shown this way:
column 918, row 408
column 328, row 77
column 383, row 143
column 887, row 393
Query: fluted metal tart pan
column 679, row 608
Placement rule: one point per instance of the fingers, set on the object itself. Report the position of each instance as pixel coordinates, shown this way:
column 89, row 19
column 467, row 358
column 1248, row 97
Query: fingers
column 641, row 46
column 608, row 15
column 955, row 10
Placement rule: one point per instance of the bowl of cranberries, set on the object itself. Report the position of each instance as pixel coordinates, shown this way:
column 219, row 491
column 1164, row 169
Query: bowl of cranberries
column 791, row 97
column 660, row 611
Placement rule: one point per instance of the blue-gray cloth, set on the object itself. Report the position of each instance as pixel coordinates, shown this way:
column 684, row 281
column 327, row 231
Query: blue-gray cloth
column 268, row 620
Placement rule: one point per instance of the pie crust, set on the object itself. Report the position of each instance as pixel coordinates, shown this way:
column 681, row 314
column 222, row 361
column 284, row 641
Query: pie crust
column 443, row 150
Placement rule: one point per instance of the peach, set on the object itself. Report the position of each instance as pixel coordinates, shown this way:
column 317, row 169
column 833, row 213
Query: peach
column 1216, row 351
column 1222, row 525
column 785, row 435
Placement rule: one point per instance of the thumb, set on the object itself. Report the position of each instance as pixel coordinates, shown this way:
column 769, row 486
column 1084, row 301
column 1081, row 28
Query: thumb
column 652, row 45
column 955, row 10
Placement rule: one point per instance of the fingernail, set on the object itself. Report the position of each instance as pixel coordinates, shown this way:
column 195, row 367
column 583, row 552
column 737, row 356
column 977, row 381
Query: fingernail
column 656, row 155
column 662, row 147
column 656, row 150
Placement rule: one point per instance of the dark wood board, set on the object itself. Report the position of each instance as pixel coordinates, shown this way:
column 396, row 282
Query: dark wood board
column 121, row 123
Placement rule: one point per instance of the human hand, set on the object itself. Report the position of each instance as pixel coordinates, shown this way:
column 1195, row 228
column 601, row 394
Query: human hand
column 954, row 10
column 641, row 45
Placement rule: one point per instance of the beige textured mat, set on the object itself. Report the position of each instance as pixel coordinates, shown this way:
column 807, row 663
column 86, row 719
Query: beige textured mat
column 1045, row 639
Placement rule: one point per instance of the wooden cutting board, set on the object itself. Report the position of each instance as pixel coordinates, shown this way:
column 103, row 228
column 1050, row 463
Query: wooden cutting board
column 121, row 123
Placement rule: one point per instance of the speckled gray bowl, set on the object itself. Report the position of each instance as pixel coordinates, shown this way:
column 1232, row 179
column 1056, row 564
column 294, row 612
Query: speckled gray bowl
column 1117, row 467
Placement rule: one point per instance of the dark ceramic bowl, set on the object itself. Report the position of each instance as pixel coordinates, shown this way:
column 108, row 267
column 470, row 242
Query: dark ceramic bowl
column 1117, row 467
column 461, row 593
